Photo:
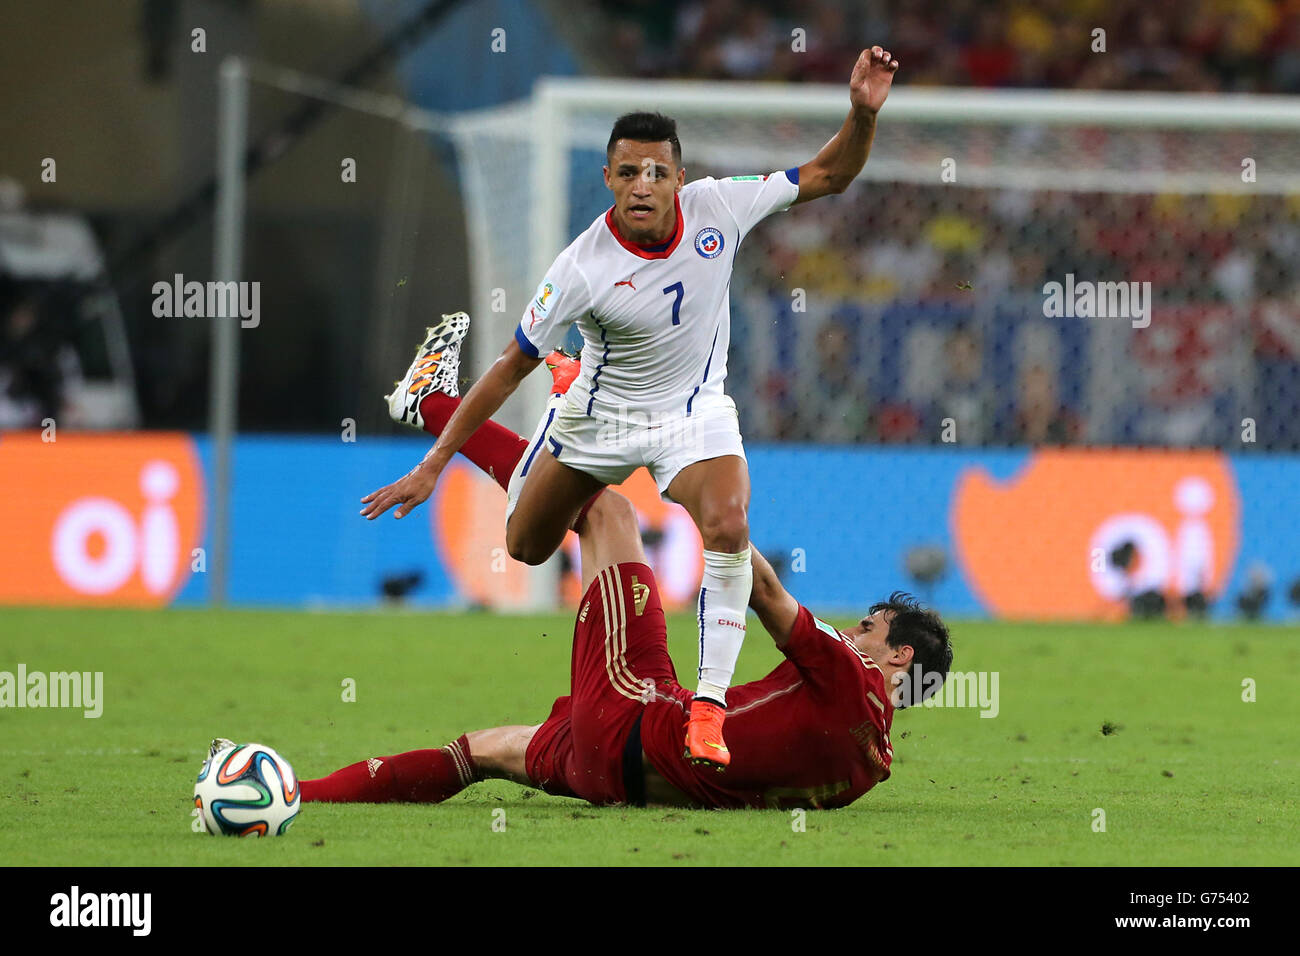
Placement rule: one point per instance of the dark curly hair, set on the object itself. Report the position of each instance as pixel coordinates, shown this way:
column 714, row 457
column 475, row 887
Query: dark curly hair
column 646, row 128
column 912, row 624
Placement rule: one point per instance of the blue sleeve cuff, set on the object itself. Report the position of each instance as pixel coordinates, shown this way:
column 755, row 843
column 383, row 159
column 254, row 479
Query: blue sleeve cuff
column 792, row 174
column 525, row 346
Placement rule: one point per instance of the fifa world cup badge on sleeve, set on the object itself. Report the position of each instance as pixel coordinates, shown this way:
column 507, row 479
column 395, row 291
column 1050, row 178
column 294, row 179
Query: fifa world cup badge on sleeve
column 547, row 293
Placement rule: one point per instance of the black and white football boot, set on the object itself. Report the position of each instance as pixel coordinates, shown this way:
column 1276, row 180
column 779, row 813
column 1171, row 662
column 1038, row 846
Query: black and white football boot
column 436, row 368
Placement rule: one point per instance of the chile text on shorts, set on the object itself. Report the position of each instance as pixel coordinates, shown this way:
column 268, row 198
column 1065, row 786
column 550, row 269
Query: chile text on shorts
column 1098, row 300
column 76, row 689
column 959, row 689
column 208, row 300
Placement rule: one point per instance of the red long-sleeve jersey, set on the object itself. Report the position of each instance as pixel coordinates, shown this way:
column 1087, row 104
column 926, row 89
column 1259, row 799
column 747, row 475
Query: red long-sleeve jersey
column 813, row 733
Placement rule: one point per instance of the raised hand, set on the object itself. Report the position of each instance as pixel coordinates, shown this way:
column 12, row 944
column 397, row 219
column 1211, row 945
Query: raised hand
column 873, row 75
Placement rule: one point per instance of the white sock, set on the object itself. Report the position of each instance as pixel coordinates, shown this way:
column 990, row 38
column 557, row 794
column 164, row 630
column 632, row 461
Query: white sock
column 724, row 596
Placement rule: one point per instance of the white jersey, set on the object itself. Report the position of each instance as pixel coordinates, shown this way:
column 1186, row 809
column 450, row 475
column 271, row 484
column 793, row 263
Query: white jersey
column 656, row 321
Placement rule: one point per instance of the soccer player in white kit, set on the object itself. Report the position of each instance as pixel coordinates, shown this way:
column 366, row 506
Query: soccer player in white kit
column 647, row 284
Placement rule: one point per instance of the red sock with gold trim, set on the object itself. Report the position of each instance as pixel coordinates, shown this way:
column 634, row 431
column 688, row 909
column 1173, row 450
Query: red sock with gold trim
column 418, row 776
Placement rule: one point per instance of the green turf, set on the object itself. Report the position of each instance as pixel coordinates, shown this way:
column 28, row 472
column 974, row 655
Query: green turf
column 1191, row 775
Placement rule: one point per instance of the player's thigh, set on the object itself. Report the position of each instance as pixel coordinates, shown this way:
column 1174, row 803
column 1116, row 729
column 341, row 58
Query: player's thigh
column 610, row 684
column 620, row 643
column 549, row 501
column 715, row 492
column 712, row 483
column 700, row 463
column 570, row 457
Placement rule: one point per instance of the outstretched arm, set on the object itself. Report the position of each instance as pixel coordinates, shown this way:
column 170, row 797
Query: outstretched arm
column 840, row 160
column 487, row 395
column 775, row 606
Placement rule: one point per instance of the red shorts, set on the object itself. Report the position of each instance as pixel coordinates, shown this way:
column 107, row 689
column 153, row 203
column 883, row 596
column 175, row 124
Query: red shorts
column 620, row 664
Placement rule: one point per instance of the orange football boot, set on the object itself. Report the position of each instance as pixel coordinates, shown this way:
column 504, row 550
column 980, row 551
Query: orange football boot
column 704, row 743
column 564, row 369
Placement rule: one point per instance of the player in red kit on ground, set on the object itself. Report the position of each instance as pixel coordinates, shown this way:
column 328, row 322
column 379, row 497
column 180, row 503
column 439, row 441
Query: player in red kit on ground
column 812, row 733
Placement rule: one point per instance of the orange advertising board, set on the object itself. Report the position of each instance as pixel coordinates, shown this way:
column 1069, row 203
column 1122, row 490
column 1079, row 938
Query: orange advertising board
column 98, row 518
column 1038, row 545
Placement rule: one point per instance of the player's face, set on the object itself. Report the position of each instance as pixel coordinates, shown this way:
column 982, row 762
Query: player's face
column 870, row 636
column 644, row 179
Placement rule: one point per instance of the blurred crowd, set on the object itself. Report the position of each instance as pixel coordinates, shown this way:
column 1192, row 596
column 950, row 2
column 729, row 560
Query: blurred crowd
column 1194, row 45
column 926, row 310
column 895, row 348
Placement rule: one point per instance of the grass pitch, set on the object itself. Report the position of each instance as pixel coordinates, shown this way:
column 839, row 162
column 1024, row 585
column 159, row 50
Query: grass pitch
column 1187, row 773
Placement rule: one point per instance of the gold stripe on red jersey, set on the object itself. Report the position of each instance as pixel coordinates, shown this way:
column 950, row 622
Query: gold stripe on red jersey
column 616, row 668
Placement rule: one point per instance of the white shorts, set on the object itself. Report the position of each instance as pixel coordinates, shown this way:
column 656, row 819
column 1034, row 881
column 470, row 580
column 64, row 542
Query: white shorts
column 610, row 449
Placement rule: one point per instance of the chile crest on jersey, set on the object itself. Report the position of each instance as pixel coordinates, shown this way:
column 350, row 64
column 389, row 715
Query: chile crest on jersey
column 708, row 242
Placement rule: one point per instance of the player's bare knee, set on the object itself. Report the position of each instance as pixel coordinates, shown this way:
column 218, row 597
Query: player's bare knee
column 526, row 552
column 500, row 751
column 610, row 512
column 725, row 529
column 522, row 545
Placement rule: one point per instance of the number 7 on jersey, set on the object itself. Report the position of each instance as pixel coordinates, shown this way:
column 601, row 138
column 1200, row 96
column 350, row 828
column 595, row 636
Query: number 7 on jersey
column 677, row 302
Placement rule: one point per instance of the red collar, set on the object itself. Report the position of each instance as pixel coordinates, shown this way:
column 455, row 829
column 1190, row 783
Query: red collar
column 640, row 250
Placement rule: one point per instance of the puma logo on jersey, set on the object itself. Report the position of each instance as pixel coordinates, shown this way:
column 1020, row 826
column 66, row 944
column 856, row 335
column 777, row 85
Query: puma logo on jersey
column 640, row 595
column 582, row 618
column 627, row 282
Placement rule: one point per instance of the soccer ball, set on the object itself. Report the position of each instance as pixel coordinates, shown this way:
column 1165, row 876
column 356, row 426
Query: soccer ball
column 247, row 790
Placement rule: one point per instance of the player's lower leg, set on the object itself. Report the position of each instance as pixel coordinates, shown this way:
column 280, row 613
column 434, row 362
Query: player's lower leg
column 494, row 448
column 716, row 493
column 418, row 776
column 724, row 596
column 428, row 395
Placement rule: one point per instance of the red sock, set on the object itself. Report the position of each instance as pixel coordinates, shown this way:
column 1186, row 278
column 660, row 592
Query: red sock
column 494, row 448
column 419, row 776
